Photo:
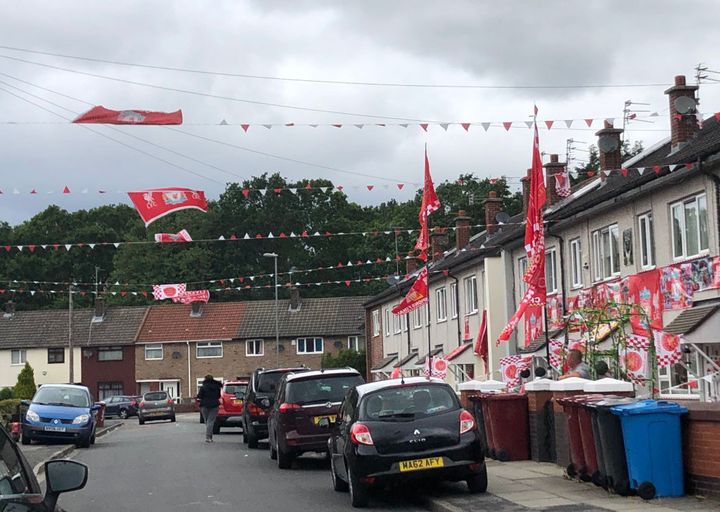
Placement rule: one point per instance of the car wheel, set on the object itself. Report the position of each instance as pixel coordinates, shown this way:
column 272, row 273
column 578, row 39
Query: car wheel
column 84, row 442
column 123, row 414
column 92, row 438
column 273, row 451
column 478, row 482
column 358, row 493
column 25, row 440
column 284, row 459
column 338, row 484
column 251, row 438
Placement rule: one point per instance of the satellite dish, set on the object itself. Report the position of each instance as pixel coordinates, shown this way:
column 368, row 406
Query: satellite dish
column 684, row 105
column 392, row 280
column 502, row 217
column 606, row 143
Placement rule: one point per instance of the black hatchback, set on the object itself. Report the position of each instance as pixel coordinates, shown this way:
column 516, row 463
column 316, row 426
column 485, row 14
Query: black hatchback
column 399, row 430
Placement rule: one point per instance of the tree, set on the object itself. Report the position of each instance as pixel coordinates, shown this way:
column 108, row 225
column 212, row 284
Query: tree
column 25, row 387
column 345, row 358
column 6, row 393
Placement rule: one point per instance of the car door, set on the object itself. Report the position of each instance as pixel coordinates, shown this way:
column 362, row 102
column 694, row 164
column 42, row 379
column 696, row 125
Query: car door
column 342, row 430
column 111, row 406
column 274, row 411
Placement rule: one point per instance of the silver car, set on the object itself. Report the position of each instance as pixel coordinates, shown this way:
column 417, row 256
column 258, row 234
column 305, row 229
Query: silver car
column 156, row 405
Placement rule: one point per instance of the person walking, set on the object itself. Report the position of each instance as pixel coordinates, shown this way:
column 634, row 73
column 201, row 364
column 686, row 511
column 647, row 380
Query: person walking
column 209, row 397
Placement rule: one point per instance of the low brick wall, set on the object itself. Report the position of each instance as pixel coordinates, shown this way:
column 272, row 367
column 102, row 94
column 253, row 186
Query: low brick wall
column 542, row 431
column 701, row 449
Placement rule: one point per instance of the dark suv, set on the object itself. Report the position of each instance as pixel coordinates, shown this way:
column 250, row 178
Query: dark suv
column 259, row 400
column 305, row 410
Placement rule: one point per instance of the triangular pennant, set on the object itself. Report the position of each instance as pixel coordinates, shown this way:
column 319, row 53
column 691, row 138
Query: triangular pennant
column 610, row 120
column 20, row 247
column 607, row 172
column 689, row 166
column 568, row 123
column 282, row 235
column 589, row 122
column 16, row 191
column 529, row 124
column 400, row 186
column 347, row 283
column 92, row 246
column 221, row 237
column 245, row 127
column 32, row 292
column 674, row 166
column 246, row 237
column 466, row 126
column 258, row 236
column 424, row 126
column 293, row 190
column 340, row 188
column 485, row 126
column 116, row 244
column 31, row 248
column 336, row 126
column 271, row 235
column 268, row 126
column 323, row 189
column 370, row 187
column 84, row 191
column 68, row 246
column 66, row 190
column 233, row 237
column 507, row 125
column 33, row 191
column 43, row 246
column 223, row 123
column 360, row 126
column 549, row 124
column 289, row 124
column 404, row 125
column 246, row 192
column 277, row 190
column 641, row 170
column 657, row 169
column 624, row 171
column 444, row 126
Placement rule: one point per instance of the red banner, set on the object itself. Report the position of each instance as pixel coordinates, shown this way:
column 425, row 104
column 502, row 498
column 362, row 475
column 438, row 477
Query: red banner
column 182, row 236
column 677, row 292
column 416, row 297
column 554, row 312
column 481, row 342
column 193, row 296
column 156, row 203
column 168, row 291
column 644, row 290
column 533, row 323
column 102, row 115
column 430, row 203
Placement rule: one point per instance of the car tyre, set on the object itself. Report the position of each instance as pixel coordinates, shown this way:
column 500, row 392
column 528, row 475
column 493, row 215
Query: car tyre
column 251, row 438
column 273, row 452
column 284, row 459
column 339, row 484
column 84, row 442
column 25, row 440
column 359, row 497
column 123, row 414
column 478, row 482
column 92, row 438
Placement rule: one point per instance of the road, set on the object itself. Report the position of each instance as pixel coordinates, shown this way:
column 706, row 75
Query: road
column 168, row 467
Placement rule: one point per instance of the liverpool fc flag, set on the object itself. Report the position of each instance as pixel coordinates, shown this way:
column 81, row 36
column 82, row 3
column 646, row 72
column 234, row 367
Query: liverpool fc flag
column 430, row 203
column 416, row 297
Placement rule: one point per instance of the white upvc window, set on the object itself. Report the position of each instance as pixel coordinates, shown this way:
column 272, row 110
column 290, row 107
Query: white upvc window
column 647, row 241
column 606, row 252
column 153, row 351
column 376, row 322
column 576, row 263
column 522, row 267
column 453, row 300
column 551, row 271
column 404, row 322
column 689, row 227
column 354, row 343
column 309, row 345
column 441, row 302
column 471, row 299
column 387, row 322
column 18, row 357
column 254, row 348
column 397, row 324
column 417, row 318
column 209, row 349
column 427, row 313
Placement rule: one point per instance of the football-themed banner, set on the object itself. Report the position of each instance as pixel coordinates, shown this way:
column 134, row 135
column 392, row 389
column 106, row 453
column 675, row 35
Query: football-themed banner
column 156, row 203
column 557, row 352
column 511, row 367
column 698, row 274
column 430, row 203
column 181, row 236
column 533, row 323
column 644, row 291
column 554, row 311
column 416, row 297
column 435, row 366
column 676, row 295
column 168, row 291
column 667, row 348
column 480, row 347
column 634, row 359
column 190, row 296
column 102, row 115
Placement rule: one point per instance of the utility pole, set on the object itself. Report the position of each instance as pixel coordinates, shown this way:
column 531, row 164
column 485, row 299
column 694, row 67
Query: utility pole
column 71, row 358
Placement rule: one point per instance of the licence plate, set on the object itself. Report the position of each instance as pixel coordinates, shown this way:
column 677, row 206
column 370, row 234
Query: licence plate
column 237, row 402
column 55, row 429
column 318, row 419
column 420, row 464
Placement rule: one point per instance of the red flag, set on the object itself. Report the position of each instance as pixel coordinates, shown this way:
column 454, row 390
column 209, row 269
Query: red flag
column 156, row 203
column 102, row 115
column 416, row 297
column 646, row 295
column 430, row 204
column 168, row 291
column 481, row 342
column 193, row 296
column 182, row 236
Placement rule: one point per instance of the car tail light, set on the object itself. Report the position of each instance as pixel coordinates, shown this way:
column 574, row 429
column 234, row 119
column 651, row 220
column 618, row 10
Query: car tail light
column 170, row 401
column 467, row 422
column 256, row 410
column 289, row 407
column 142, row 404
column 360, row 434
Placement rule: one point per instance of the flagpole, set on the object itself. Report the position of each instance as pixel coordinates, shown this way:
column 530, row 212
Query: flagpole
column 429, row 325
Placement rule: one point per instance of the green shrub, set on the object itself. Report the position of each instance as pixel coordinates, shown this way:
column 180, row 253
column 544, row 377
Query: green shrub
column 344, row 358
column 6, row 393
column 7, row 409
column 25, row 387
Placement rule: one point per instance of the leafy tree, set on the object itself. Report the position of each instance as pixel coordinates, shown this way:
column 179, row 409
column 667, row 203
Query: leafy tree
column 345, row 358
column 6, row 393
column 25, row 387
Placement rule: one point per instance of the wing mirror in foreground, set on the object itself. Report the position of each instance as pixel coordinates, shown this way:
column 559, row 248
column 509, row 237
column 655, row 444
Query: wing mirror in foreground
column 63, row 476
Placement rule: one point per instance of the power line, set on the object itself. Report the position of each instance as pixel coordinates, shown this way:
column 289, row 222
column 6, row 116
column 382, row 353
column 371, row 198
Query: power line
column 330, row 82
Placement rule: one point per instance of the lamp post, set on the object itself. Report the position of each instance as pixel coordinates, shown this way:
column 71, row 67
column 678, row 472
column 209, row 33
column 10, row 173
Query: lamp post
column 277, row 328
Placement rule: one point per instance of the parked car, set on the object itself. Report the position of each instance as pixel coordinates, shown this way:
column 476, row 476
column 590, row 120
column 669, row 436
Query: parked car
column 156, row 405
column 232, row 400
column 19, row 488
column 122, row 406
column 305, row 409
column 259, row 400
column 60, row 411
column 399, row 430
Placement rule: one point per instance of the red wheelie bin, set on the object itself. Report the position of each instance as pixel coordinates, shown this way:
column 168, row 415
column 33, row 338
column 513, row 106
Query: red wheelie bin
column 509, row 427
column 578, row 466
column 587, row 437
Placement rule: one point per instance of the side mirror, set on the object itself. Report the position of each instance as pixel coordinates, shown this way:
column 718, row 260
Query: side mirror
column 63, row 476
column 26, row 403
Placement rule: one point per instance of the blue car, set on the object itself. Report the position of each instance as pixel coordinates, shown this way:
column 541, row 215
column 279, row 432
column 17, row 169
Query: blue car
column 62, row 412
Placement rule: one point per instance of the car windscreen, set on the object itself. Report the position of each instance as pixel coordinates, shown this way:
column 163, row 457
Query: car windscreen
column 268, row 381
column 155, row 396
column 408, row 402
column 233, row 389
column 70, row 397
column 320, row 389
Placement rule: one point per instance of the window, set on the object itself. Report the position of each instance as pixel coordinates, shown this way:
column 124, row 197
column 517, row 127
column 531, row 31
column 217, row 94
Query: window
column 309, row 345
column 209, row 349
column 674, row 380
column 397, row 325
column 108, row 389
column 417, row 318
column 465, row 372
column 471, row 301
column 56, row 355
column 606, row 252
column 154, row 351
column 387, row 322
column 427, row 313
column 18, row 357
column 453, row 300
column 647, row 241
column 376, row 322
column 576, row 263
column 110, row 354
column 441, row 301
column 522, row 267
column 254, row 348
column 690, row 229
column 404, row 322
column 354, row 343
column 551, row 270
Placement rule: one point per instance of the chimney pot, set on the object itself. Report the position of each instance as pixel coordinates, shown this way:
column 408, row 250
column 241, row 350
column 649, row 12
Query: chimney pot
column 438, row 242
column 9, row 309
column 295, row 303
column 410, row 263
column 554, row 159
column 462, row 230
column 196, row 309
column 611, row 159
column 100, row 308
column 683, row 125
column 680, row 80
column 493, row 206
column 552, row 168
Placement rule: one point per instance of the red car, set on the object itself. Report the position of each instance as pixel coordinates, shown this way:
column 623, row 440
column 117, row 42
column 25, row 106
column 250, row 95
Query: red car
column 232, row 400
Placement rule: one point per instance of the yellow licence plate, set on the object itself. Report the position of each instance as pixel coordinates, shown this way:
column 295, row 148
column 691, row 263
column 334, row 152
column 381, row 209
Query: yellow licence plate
column 420, row 464
column 318, row 419
column 237, row 402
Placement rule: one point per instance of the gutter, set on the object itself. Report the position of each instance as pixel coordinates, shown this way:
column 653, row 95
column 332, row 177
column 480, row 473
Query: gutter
column 457, row 305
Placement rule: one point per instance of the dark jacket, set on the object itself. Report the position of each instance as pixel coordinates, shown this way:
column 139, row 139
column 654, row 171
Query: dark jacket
column 209, row 393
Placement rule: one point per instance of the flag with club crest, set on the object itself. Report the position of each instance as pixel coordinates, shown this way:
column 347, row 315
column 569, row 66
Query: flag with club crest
column 416, row 297
column 430, row 203
column 102, row 115
column 156, row 203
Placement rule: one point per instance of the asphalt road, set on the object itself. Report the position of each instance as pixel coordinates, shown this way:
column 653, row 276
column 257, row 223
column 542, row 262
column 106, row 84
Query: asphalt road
column 168, row 467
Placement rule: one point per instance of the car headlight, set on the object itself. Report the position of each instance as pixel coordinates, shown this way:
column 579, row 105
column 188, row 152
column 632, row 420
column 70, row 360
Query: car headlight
column 32, row 416
column 83, row 418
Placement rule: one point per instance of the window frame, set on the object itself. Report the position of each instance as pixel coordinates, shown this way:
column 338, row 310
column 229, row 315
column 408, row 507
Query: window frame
column 55, row 351
column 417, row 318
column 454, row 310
column 154, row 346
column 387, row 322
column 305, row 339
column 209, row 345
column 646, row 240
column 376, row 323
column 108, row 350
column 552, row 253
column 613, row 236
column 254, row 342
column 110, row 386
column 22, row 359
column 441, row 304
column 471, row 308
column 354, row 346
column 522, row 267
column 576, row 263
column 696, row 198
column 397, row 323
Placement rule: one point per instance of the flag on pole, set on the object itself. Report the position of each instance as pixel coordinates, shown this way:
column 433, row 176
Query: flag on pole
column 430, row 204
column 481, row 342
column 416, row 297
column 102, row 115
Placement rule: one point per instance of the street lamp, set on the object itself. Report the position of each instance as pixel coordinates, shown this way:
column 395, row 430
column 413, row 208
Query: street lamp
column 277, row 328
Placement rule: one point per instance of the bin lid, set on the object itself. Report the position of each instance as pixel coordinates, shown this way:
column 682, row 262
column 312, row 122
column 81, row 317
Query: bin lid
column 569, row 384
column 649, row 407
column 507, row 396
column 482, row 385
column 608, row 385
column 539, row 384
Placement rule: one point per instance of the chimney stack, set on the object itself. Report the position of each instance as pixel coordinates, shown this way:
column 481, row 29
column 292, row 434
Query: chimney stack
column 410, row 263
column 525, row 190
column 9, row 309
column 196, row 308
column 683, row 121
column 295, row 299
column 493, row 206
column 462, row 230
column 609, row 148
column 438, row 242
column 100, row 307
column 553, row 167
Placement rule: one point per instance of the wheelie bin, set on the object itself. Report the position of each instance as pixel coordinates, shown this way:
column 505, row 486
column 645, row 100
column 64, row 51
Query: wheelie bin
column 482, row 423
column 509, row 426
column 587, row 437
column 563, row 389
column 477, row 392
column 609, row 442
column 578, row 466
column 653, row 447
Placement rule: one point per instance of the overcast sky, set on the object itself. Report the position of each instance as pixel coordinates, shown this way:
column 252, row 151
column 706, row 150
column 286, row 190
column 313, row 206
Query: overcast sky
column 518, row 43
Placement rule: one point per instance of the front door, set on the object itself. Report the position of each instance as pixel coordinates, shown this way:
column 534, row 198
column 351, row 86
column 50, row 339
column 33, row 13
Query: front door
column 172, row 388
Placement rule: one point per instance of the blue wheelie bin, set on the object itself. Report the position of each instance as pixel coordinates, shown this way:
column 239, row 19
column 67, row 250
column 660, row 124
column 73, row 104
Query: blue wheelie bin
column 653, row 446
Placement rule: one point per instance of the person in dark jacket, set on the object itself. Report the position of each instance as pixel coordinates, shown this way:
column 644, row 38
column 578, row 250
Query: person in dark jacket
column 209, row 397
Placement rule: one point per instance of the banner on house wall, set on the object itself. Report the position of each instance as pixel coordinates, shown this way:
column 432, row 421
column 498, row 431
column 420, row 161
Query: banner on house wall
column 554, row 312
column 667, row 348
column 677, row 291
column 644, row 292
column 436, row 366
column 557, row 353
column 533, row 323
column 511, row 367
column 698, row 275
column 634, row 359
